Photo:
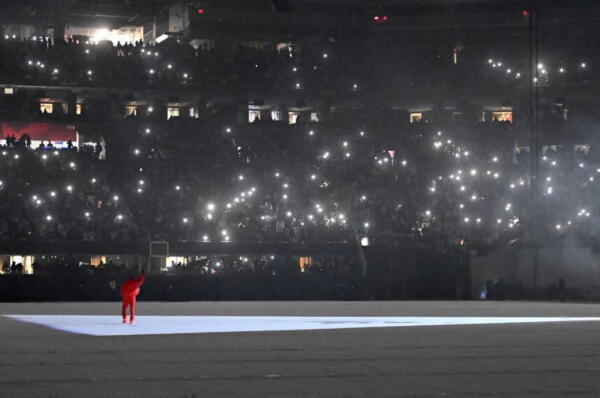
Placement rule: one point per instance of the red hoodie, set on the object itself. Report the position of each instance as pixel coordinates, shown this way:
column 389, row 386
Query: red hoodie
column 131, row 287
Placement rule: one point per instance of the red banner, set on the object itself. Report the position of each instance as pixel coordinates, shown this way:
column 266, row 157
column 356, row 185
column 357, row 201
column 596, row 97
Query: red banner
column 39, row 131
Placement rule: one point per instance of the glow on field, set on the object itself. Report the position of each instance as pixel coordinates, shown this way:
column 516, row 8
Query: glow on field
column 109, row 325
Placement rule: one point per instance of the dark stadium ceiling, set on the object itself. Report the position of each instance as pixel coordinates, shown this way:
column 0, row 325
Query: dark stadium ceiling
column 116, row 13
column 89, row 12
column 422, row 14
column 417, row 6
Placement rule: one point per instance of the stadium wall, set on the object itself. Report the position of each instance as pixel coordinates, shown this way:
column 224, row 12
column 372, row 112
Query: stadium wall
column 578, row 267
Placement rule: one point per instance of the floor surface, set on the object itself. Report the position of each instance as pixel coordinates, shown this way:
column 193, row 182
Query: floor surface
column 355, row 354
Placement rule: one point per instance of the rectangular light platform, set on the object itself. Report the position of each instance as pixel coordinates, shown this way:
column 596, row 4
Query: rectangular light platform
column 109, row 325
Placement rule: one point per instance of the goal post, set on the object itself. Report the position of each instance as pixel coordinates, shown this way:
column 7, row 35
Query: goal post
column 158, row 251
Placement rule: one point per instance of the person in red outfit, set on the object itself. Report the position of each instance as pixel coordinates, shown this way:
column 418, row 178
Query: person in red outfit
column 129, row 291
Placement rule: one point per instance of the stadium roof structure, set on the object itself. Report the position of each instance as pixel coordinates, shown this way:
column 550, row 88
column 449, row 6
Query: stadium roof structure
column 106, row 13
column 301, row 17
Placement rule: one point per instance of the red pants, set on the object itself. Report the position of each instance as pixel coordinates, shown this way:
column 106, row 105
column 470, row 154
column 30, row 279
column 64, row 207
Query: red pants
column 128, row 302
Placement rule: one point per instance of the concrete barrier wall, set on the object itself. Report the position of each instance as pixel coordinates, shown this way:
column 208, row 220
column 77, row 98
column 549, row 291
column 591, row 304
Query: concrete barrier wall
column 579, row 267
column 182, row 288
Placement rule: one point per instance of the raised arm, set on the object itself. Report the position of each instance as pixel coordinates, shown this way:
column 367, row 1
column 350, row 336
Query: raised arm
column 141, row 278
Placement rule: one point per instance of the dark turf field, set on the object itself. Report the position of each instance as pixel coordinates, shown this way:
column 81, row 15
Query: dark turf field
column 538, row 359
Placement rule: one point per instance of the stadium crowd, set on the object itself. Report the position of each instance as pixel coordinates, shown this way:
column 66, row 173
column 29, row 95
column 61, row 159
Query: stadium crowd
column 205, row 180
column 218, row 69
column 171, row 65
column 192, row 180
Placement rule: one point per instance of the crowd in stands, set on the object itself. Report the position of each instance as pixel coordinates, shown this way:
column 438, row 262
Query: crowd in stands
column 191, row 180
column 170, row 66
column 202, row 180
column 220, row 69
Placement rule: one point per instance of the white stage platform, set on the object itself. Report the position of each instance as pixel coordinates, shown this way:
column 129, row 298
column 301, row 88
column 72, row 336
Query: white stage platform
column 108, row 325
